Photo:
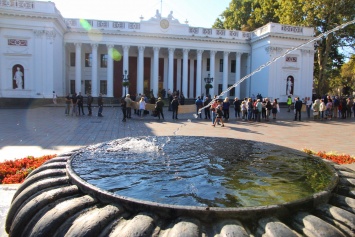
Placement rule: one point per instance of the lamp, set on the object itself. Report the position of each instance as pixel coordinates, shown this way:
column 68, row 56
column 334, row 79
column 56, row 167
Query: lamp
column 208, row 85
column 125, row 81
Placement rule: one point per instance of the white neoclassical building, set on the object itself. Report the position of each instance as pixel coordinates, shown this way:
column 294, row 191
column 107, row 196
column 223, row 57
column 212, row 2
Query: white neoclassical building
column 42, row 52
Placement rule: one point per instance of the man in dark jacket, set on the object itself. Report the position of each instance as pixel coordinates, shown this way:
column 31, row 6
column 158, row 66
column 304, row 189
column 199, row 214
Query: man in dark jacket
column 298, row 107
column 100, row 103
column 159, row 107
column 175, row 106
column 89, row 102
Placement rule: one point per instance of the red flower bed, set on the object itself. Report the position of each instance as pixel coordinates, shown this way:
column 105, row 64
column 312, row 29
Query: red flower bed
column 15, row 171
column 339, row 159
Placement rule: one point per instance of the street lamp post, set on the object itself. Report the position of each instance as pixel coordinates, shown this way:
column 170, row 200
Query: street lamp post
column 125, row 82
column 208, row 85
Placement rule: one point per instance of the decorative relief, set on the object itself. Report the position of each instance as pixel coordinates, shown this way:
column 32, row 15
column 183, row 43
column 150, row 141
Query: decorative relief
column 38, row 33
column 134, row 26
column 193, row 30
column 102, row 24
column 220, row 32
column 291, row 59
column 118, row 25
column 18, row 4
column 207, row 31
column 50, row 34
column 246, row 35
column 71, row 22
column 233, row 33
column 16, row 42
column 295, row 29
column 272, row 49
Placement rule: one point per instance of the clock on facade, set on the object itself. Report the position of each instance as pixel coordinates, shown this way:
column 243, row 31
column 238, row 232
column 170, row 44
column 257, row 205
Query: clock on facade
column 164, row 23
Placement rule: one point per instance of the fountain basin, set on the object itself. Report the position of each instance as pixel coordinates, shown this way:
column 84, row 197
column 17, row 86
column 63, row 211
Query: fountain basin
column 73, row 205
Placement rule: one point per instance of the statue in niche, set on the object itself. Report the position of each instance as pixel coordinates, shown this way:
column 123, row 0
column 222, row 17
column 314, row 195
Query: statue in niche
column 157, row 14
column 289, row 85
column 18, row 77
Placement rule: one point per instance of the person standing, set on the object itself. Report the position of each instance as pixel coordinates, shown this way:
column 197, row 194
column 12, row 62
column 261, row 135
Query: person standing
column 175, row 107
column 289, row 103
column 237, row 103
column 100, row 103
column 275, row 108
column 159, row 107
column 80, row 103
column 128, row 105
column 219, row 114
column 207, row 107
column 308, row 106
column 89, row 102
column 74, row 101
column 336, row 103
column 124, row 108
column 213, row 109
column 67, row 104
column 54, row 98
column 141, row 106
column 225, row 106
column 298, row 107
column 199, row 104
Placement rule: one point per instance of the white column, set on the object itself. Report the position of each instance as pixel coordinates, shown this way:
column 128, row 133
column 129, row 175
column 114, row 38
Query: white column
column 140, row 70
column 192, row 71
column 156, row 71
column 110, row 71
column 125, row 64
column 237, row 73
column 171, row 69
column 225, row 72
column 178, row 74
column 185, row 71
column 248, row 87
column 198, row 73
column 212, row 72
column 165, row 76
column 94, row 67
column 77, row 67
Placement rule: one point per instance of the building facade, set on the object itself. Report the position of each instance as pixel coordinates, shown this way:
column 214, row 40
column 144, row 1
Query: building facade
column 42, row 52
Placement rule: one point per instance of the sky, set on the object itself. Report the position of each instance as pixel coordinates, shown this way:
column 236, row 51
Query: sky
column 198, row 13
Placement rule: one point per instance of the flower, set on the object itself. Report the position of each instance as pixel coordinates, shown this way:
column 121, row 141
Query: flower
column 15, row 171
column 340, row 159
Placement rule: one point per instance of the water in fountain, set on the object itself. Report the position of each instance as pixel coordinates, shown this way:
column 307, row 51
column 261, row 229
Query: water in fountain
column 202, row 171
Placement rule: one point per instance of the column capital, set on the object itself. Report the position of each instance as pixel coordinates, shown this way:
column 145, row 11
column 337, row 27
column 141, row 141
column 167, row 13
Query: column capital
column 156, row 49
column 141, row 48
column 94, row 45
column 186, row 51
column 77, row 45
column 109, row 46
column 213, row 53
column 171, row 50
column 226, row 53
column 125, row 47
column 199, row 52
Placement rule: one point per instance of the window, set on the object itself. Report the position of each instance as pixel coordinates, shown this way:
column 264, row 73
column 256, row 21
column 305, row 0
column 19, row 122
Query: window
column 208, row 66
column 87, row 86
column 232, row 91
column 221, row 65
column 232, row 66
column 103, row 60
column 88, row 60
column 219, row 89
column 72, row 59
column 103, row 87
column 72, row 86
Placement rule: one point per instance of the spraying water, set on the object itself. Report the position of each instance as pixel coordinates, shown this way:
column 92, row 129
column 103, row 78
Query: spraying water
column 275, row 59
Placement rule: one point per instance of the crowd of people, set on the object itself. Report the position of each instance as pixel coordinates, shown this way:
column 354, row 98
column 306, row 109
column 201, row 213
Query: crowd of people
column 248, row 109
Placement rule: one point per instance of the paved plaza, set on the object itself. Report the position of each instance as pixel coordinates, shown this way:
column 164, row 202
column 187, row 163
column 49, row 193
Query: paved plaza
column 46, row 130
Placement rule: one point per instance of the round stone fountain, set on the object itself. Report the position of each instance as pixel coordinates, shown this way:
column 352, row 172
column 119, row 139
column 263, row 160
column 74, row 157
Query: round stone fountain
column 185, row 186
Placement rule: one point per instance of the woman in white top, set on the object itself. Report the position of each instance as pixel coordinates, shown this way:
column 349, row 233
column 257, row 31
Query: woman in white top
column 141, row 106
